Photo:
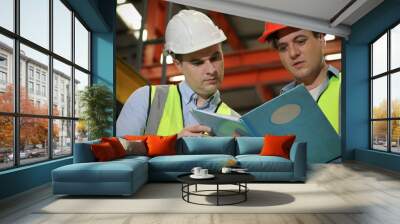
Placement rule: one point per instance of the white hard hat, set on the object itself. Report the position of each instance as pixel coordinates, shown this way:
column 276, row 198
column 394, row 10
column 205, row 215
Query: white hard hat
column 189, row 31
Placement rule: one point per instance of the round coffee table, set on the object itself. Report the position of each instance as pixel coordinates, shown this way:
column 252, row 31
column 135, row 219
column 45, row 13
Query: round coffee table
column 238, row 179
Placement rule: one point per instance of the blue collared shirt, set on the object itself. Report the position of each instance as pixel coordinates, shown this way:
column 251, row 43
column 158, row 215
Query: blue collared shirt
column 132, row 119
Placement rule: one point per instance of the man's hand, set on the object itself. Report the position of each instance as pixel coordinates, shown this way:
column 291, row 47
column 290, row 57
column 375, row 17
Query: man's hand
column 195, row 130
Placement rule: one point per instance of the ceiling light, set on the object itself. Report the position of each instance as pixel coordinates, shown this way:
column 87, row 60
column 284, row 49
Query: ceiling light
column 333, row 57
column 177, row 78
column 130, row 16
column 121, row 2
column 168, row 59
column 329, row 37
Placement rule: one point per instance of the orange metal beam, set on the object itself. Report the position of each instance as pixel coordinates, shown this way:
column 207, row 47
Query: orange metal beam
column 248, row 69
column 221, row 21
column 238, row 61
column 156, row 15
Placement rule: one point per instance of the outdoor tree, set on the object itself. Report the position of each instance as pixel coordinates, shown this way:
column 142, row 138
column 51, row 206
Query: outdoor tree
column 380, row 127
column 33, row 131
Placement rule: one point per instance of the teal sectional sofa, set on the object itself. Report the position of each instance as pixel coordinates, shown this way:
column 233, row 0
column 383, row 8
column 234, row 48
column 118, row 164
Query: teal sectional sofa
column 125, row 176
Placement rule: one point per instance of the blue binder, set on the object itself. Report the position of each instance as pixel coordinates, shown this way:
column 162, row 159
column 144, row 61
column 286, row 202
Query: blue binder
column 294, row 112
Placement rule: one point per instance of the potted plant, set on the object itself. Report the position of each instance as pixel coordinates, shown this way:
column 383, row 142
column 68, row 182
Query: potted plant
column 96, row 102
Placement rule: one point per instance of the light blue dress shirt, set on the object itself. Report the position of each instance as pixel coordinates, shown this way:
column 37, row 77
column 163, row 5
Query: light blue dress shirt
column 132, row 119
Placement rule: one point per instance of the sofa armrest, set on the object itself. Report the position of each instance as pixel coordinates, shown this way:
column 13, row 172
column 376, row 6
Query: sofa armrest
column 298, row 154
column 83, row 152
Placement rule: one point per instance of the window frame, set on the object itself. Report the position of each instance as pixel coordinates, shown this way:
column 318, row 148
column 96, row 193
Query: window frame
column 16, row 115
column 388, row 74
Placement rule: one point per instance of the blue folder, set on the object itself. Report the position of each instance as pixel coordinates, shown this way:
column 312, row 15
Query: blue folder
column 294, row 112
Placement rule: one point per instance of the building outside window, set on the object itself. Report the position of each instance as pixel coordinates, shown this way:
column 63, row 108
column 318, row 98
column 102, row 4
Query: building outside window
column 385, row 91
column 3, row 72
column 30, row 87
column 56, row 134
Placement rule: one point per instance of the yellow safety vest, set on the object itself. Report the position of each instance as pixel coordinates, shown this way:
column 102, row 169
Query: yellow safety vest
column 329, row 101
column 165, row 113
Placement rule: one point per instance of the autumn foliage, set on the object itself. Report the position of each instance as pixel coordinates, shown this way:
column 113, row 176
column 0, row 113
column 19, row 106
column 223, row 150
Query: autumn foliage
column 380, row 127
column 33, row 130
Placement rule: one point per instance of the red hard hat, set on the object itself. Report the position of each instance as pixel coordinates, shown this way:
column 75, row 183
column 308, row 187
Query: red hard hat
column 270, row 28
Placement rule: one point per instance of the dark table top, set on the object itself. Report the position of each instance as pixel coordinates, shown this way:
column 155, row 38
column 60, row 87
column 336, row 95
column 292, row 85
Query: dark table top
column 220, row 178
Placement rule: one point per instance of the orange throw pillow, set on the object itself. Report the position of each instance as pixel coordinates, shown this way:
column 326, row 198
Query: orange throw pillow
column 277, row 145
column 103, row 151
column 161, row 145
column 116, row 145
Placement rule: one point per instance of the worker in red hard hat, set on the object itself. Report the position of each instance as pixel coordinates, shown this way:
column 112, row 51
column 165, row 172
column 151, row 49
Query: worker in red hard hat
column 301, row 53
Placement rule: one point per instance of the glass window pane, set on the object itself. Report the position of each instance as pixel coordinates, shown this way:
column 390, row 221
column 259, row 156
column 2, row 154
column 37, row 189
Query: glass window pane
column 81, row 81
column 395, row 47
column 34, row 72
column 7, row 14
column 379, row 135
column 379, row 97
column 62, row 138
column 62, row 89
column 6, row 142
column 379, row 55
column 395, row 94
column 81, row 131
column 35, row 21
column 395, row 136
column 62, row 29
column 81, row 45
column 6, row 74
column 33, row 139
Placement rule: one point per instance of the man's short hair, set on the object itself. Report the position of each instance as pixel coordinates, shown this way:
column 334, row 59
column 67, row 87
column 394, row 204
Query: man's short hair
column 177, row 57
column 273, row 39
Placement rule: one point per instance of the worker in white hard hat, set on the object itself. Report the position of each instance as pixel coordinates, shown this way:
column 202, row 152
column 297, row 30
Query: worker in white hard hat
column 194, row 42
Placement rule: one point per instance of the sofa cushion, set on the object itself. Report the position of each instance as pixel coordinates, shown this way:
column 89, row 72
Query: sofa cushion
column 206, row 145
column 277, row 145
column 257, row 163
column 134, row 147
column 112, row 171
column 185, row 163
column 116, row 145
column 83, row 152
column 249, row 145
column 161, row 145
column 103, row 152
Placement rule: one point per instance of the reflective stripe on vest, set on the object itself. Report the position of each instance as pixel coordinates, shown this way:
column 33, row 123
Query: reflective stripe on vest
column 329, row 101
column 165, row 115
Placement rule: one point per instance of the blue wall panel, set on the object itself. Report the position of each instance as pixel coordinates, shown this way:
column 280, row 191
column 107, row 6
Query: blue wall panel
column 24, row 178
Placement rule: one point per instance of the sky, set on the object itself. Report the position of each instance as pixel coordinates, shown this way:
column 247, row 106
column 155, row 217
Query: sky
column 34, row 26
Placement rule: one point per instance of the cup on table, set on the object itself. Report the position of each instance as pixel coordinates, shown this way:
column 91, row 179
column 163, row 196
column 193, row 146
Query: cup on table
column 196, row 170
column 203, row 172
column 226, row 170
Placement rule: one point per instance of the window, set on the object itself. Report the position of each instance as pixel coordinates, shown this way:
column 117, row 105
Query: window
column 385, row 92
column 30, row 87
column 30, row 72
column 54, row 126
column 3, row 61
column 3, row 78
column 3, row 72
column 44, row 91
column 38, row 89
column 37, row 74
